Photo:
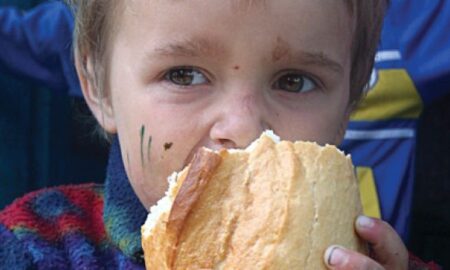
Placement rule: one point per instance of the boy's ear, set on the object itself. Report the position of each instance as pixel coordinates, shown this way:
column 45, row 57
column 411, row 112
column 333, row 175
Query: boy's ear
column 98, row 102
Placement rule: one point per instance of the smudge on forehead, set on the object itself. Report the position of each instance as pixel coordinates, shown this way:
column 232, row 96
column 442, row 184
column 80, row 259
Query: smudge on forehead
column 281, row 49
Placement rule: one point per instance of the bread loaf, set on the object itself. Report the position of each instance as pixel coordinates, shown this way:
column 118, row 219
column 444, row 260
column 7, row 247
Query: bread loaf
column 275, row 205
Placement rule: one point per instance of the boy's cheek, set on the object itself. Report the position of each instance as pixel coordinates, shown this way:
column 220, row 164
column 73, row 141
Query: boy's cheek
column 151, row 158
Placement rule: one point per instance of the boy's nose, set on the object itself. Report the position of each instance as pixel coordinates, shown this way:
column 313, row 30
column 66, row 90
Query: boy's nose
column 240, row 121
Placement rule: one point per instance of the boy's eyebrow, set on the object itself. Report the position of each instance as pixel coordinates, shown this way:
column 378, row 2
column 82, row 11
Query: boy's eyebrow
column 198, row 47
column 283, row 51
column 319, row 59
column 190, row 48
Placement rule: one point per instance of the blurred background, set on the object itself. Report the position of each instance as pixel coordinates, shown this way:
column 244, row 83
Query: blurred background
column 46, row 135
column 47, row 139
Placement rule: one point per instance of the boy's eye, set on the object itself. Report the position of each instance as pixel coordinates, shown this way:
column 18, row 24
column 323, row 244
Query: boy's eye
column 295, row 83
column 185, row 76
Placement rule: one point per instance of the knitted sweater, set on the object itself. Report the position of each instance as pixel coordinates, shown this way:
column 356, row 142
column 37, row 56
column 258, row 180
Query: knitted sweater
column 81, row 227
column 75, row 227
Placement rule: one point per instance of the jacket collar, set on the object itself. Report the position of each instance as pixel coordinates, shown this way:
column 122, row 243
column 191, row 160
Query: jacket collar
column 123, row 212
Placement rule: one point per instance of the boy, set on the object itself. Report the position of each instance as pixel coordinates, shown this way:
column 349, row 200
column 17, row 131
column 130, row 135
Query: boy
column 167, row 77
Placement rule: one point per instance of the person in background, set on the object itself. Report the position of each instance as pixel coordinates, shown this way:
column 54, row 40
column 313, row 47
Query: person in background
column 37, row 45
column 45, row 137
column 412, row 70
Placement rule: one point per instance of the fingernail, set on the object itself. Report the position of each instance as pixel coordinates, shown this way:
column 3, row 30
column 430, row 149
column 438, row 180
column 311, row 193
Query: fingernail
column 365, row 222
column 335, row 255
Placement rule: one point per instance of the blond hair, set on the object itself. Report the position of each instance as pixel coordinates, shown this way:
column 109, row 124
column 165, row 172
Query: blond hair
column 94, row 27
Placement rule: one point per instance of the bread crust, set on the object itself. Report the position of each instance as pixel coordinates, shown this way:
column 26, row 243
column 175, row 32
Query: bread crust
column 277, row 206
column 200, row 172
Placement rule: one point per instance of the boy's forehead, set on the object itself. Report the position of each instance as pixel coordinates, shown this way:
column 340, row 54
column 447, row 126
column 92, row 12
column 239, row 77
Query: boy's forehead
column 199, row 37
column 236, row 5
column 201, row 44
column 246, row 4
column 270, row 8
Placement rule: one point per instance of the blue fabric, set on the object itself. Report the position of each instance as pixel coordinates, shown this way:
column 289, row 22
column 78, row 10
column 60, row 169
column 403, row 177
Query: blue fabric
column 125, row 214
column 44, row 123
column 417, row 31
column 37, row 45
column 60, row 205
column 12, row 251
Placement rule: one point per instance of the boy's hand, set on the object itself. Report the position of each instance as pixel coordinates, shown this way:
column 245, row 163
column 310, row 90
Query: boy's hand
column 387, row 250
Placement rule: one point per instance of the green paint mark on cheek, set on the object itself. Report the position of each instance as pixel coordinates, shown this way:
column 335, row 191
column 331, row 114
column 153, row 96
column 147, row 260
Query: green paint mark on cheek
column 149, row 146
column 142, row 144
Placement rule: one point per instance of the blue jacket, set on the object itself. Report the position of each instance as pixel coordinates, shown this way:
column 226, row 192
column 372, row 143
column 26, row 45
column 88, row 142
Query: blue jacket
column 412, row 70
column 37, row 45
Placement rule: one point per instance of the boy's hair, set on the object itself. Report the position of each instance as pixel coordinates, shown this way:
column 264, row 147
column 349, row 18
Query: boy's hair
column 94, row 29
column 369, row 16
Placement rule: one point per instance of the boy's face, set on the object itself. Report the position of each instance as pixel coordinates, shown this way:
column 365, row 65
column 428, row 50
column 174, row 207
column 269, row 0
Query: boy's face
column 217, row 73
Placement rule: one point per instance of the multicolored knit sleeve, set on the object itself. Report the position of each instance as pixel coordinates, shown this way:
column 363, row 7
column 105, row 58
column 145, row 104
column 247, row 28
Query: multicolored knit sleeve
column 13, row 254
column 57, row 228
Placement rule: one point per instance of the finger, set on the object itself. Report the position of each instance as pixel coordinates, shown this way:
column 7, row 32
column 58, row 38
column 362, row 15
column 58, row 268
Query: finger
column 337, row 257
column 387, row 247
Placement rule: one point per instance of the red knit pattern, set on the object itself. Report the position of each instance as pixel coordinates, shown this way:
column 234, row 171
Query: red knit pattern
column 21, row 215
column 91, row 203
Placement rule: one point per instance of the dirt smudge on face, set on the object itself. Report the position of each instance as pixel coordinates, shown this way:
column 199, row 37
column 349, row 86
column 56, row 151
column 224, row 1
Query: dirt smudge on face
column 167, row 146
column 281, row 50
